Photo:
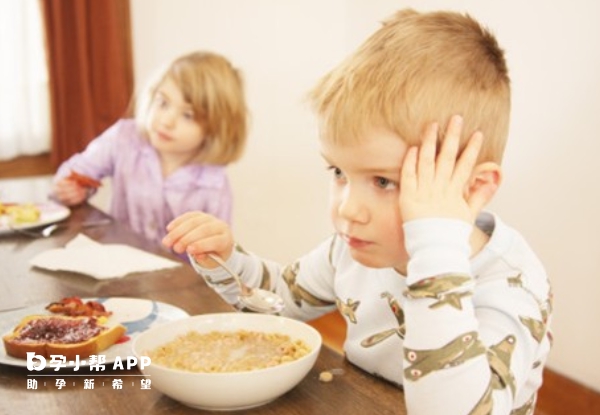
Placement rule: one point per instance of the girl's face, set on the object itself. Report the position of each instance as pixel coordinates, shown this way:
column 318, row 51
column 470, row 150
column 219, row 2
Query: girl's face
column 172, row 125
column 364, row 196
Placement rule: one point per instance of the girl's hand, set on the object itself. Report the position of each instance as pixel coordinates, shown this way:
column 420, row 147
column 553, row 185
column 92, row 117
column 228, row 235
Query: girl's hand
column 438, row 186
column 69, row 192
column 199, row 233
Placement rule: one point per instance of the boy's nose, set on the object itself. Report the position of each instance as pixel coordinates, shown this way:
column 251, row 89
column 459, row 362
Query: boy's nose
column 352, row 207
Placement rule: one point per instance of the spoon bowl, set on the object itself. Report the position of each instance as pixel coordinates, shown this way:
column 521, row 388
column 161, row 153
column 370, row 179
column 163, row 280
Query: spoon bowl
column 255, row 299
column 263, row 301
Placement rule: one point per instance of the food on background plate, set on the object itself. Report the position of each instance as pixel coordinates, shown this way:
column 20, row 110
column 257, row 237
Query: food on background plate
column 84, row 180
column 74, row 306
column 61, row 335
column 224, row 351
column 21, row 213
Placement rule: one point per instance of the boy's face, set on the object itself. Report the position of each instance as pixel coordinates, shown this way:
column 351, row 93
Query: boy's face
column 171, row 122
column 364, row 196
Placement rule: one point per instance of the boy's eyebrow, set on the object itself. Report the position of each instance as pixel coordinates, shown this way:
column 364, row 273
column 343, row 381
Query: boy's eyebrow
column 393, row 170
column 382, row 171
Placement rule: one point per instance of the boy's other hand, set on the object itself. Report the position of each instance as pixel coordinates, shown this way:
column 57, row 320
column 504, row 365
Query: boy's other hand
column 438, row 186
column 198, row 233
column 69, row 192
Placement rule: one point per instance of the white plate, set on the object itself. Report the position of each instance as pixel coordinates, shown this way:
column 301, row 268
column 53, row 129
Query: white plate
column 136, row 314
column 50, row 212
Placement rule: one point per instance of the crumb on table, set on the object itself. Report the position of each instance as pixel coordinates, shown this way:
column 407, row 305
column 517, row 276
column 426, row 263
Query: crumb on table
column 325, row 376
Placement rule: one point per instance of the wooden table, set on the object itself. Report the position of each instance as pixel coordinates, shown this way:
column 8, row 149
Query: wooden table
column 353, row 392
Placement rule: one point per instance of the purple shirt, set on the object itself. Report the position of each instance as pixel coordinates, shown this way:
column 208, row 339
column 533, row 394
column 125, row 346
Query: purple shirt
column 141, row 196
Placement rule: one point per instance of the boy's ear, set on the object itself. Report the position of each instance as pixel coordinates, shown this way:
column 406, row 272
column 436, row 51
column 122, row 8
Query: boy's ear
column 484, row 182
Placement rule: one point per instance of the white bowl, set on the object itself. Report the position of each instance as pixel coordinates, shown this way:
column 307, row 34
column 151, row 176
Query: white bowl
column 228, row 391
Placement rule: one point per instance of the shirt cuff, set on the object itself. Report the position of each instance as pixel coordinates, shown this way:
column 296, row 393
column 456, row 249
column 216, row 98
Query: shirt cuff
column 436, row 247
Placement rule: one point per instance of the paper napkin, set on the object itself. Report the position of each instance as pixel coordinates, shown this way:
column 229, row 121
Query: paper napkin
column 101, row 261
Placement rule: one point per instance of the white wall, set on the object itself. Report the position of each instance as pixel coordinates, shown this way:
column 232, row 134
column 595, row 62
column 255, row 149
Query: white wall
column 550, row 191
column 282, row 48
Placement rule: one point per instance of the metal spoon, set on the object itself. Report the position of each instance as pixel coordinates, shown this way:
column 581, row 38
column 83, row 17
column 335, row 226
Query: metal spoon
column 255, row 299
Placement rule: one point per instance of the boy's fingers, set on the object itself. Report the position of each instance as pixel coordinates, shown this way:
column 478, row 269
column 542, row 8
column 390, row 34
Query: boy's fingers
column 177, row 230
column 197, row 234
column 203, row 246
column 426, row 159
column 408, row 182
column 449, row 148
column 468, row 159
column 180, row 219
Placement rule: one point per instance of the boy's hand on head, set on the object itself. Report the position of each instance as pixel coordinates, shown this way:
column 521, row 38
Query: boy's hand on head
column 437, row 186
column 69, row 192
column 198, row 233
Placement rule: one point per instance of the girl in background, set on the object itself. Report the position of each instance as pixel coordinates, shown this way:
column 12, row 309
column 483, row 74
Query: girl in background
column 190, row 122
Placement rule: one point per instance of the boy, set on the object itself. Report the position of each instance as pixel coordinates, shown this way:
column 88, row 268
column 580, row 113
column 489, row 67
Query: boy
column 440, row 296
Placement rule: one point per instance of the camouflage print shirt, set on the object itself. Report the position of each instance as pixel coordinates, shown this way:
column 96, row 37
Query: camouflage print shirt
column 461, row 335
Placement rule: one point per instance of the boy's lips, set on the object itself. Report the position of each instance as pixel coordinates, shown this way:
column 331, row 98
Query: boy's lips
column 355, row 243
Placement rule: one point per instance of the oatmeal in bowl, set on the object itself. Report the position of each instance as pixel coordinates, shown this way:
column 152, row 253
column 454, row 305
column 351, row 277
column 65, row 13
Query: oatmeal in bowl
column 228, row 361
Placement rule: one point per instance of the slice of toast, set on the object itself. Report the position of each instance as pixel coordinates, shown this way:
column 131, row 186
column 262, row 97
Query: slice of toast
column 61, row 335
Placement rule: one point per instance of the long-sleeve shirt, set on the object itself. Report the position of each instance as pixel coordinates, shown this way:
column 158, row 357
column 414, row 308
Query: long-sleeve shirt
column 461, row 335
column 141, row 196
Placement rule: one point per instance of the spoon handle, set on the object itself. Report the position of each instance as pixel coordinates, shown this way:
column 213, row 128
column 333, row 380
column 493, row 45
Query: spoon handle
column 25, row 231
column 246, row 291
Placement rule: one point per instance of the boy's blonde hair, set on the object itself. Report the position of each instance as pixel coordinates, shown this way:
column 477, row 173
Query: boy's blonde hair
column 420, row 68
column 214, row 89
